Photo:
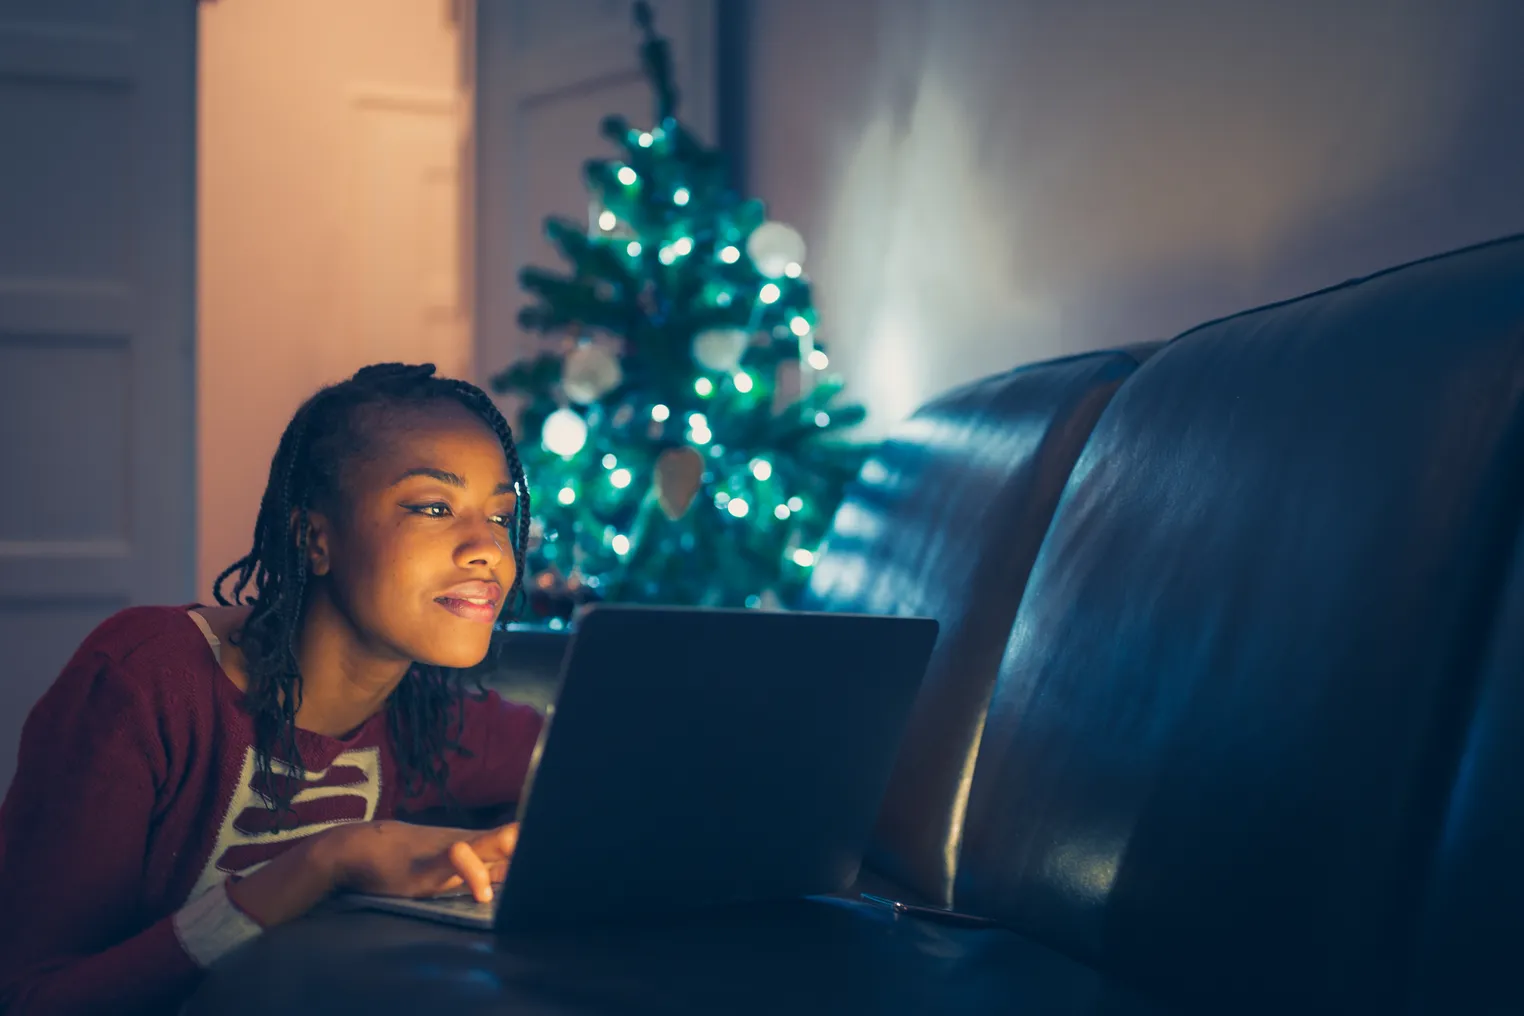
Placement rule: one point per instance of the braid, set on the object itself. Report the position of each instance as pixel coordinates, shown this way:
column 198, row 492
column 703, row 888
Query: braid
column 424, row 714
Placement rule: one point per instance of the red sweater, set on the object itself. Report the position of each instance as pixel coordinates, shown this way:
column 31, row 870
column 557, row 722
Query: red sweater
column 133, row 795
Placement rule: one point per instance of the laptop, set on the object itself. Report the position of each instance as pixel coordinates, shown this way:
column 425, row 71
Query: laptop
column 695, row 758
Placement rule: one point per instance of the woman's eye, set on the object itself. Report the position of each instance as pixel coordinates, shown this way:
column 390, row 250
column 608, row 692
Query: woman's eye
column 502, row 520
column 437, row 510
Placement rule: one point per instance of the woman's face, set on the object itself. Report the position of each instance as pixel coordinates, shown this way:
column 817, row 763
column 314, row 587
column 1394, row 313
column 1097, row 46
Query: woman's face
column 420, row 561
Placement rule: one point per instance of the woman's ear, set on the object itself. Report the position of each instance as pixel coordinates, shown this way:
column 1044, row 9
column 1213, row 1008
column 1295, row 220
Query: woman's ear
column 318, row 540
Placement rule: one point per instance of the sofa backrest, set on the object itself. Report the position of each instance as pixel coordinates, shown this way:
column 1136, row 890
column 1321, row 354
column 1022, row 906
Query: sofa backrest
column 1472, row 931
column 945, row 521
column 1224, row 736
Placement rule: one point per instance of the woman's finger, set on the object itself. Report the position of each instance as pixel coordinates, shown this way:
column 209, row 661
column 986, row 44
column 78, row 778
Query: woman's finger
column 497, row 844
column 471, row 870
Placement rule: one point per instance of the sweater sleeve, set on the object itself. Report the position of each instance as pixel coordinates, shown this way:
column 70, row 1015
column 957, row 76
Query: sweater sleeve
column 73, row 836
column 501, row 737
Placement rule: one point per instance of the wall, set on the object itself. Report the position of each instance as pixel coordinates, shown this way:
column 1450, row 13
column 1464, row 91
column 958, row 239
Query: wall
column 330, row 166
column 984, row 185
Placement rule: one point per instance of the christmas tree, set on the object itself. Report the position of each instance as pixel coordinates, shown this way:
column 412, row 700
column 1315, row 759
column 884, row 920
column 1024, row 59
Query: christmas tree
column 680, row 435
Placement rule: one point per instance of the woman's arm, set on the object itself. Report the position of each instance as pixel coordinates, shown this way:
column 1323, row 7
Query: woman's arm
column 73, row 835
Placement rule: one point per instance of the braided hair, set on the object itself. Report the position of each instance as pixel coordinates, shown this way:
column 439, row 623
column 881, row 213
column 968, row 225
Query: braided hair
column 328, row 433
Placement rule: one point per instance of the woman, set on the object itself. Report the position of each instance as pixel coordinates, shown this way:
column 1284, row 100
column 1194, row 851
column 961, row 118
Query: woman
column 196, row 775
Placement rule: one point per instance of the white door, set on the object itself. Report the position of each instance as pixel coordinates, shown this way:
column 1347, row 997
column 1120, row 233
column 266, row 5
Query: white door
column 97, row 320
column 548, row 72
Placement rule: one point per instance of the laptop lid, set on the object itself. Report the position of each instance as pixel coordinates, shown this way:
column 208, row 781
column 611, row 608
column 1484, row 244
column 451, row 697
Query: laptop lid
column 696, row 757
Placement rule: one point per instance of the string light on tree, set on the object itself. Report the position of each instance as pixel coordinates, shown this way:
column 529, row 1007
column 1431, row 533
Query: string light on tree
column 680, row 461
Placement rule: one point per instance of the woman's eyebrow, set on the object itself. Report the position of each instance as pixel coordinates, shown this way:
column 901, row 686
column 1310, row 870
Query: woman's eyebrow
column 442, row 475
column 453, row 479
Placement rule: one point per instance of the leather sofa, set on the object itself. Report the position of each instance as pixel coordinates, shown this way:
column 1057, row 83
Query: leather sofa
column 1223, row 719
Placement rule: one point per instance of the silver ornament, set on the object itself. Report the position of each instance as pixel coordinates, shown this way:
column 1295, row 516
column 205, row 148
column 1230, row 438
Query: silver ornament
column 590, row 372
column 720, row 349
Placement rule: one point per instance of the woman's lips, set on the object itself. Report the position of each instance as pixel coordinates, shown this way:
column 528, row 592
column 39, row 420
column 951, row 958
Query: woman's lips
column 476, row 600
column 471, row 610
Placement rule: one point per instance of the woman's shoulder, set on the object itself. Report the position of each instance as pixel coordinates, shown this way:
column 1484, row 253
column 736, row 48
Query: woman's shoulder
column 138, row 670
column 149, row 647
column 137, row 630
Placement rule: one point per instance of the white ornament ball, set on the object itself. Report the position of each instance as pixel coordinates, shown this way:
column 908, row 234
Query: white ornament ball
column 720, row 349
column 773, row 247
column 564, row 433
column 590, row 372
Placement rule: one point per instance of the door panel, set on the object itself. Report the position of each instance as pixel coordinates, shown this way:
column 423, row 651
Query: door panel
column 97, row 399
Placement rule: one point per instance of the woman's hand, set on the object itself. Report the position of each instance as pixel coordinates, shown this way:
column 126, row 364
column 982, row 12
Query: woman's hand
column 391, row 858
column 400, row 859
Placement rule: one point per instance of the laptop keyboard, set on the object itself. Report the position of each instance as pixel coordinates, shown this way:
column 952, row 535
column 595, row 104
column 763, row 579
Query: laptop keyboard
column 467, row 905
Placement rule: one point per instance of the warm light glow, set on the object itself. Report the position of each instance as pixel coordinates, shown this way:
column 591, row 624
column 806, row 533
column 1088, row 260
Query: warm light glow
column 799, row 326
column 667, row 256
column 644, row 141
column 684, row 246
column 566, row 495
column 633, row 250
column 803, row 558
column 606, row 220
column 742, row 381
column 704, row 387
column 620, row 478
column 680, row 196
column 761, row 469
column 738, row 507
column 793, row 270
column 770, row 293
column 796, row 504
column 609, row 462
column 698, row 421
column 782, row 511
column 620, row 544
column 659, row 412
column 700, row 435
column 730, row 255
column 626, row 175
column 819, row 360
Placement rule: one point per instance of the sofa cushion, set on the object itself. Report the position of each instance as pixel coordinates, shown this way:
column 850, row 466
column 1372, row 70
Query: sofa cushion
column 1223, row 734
column 945, row 521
